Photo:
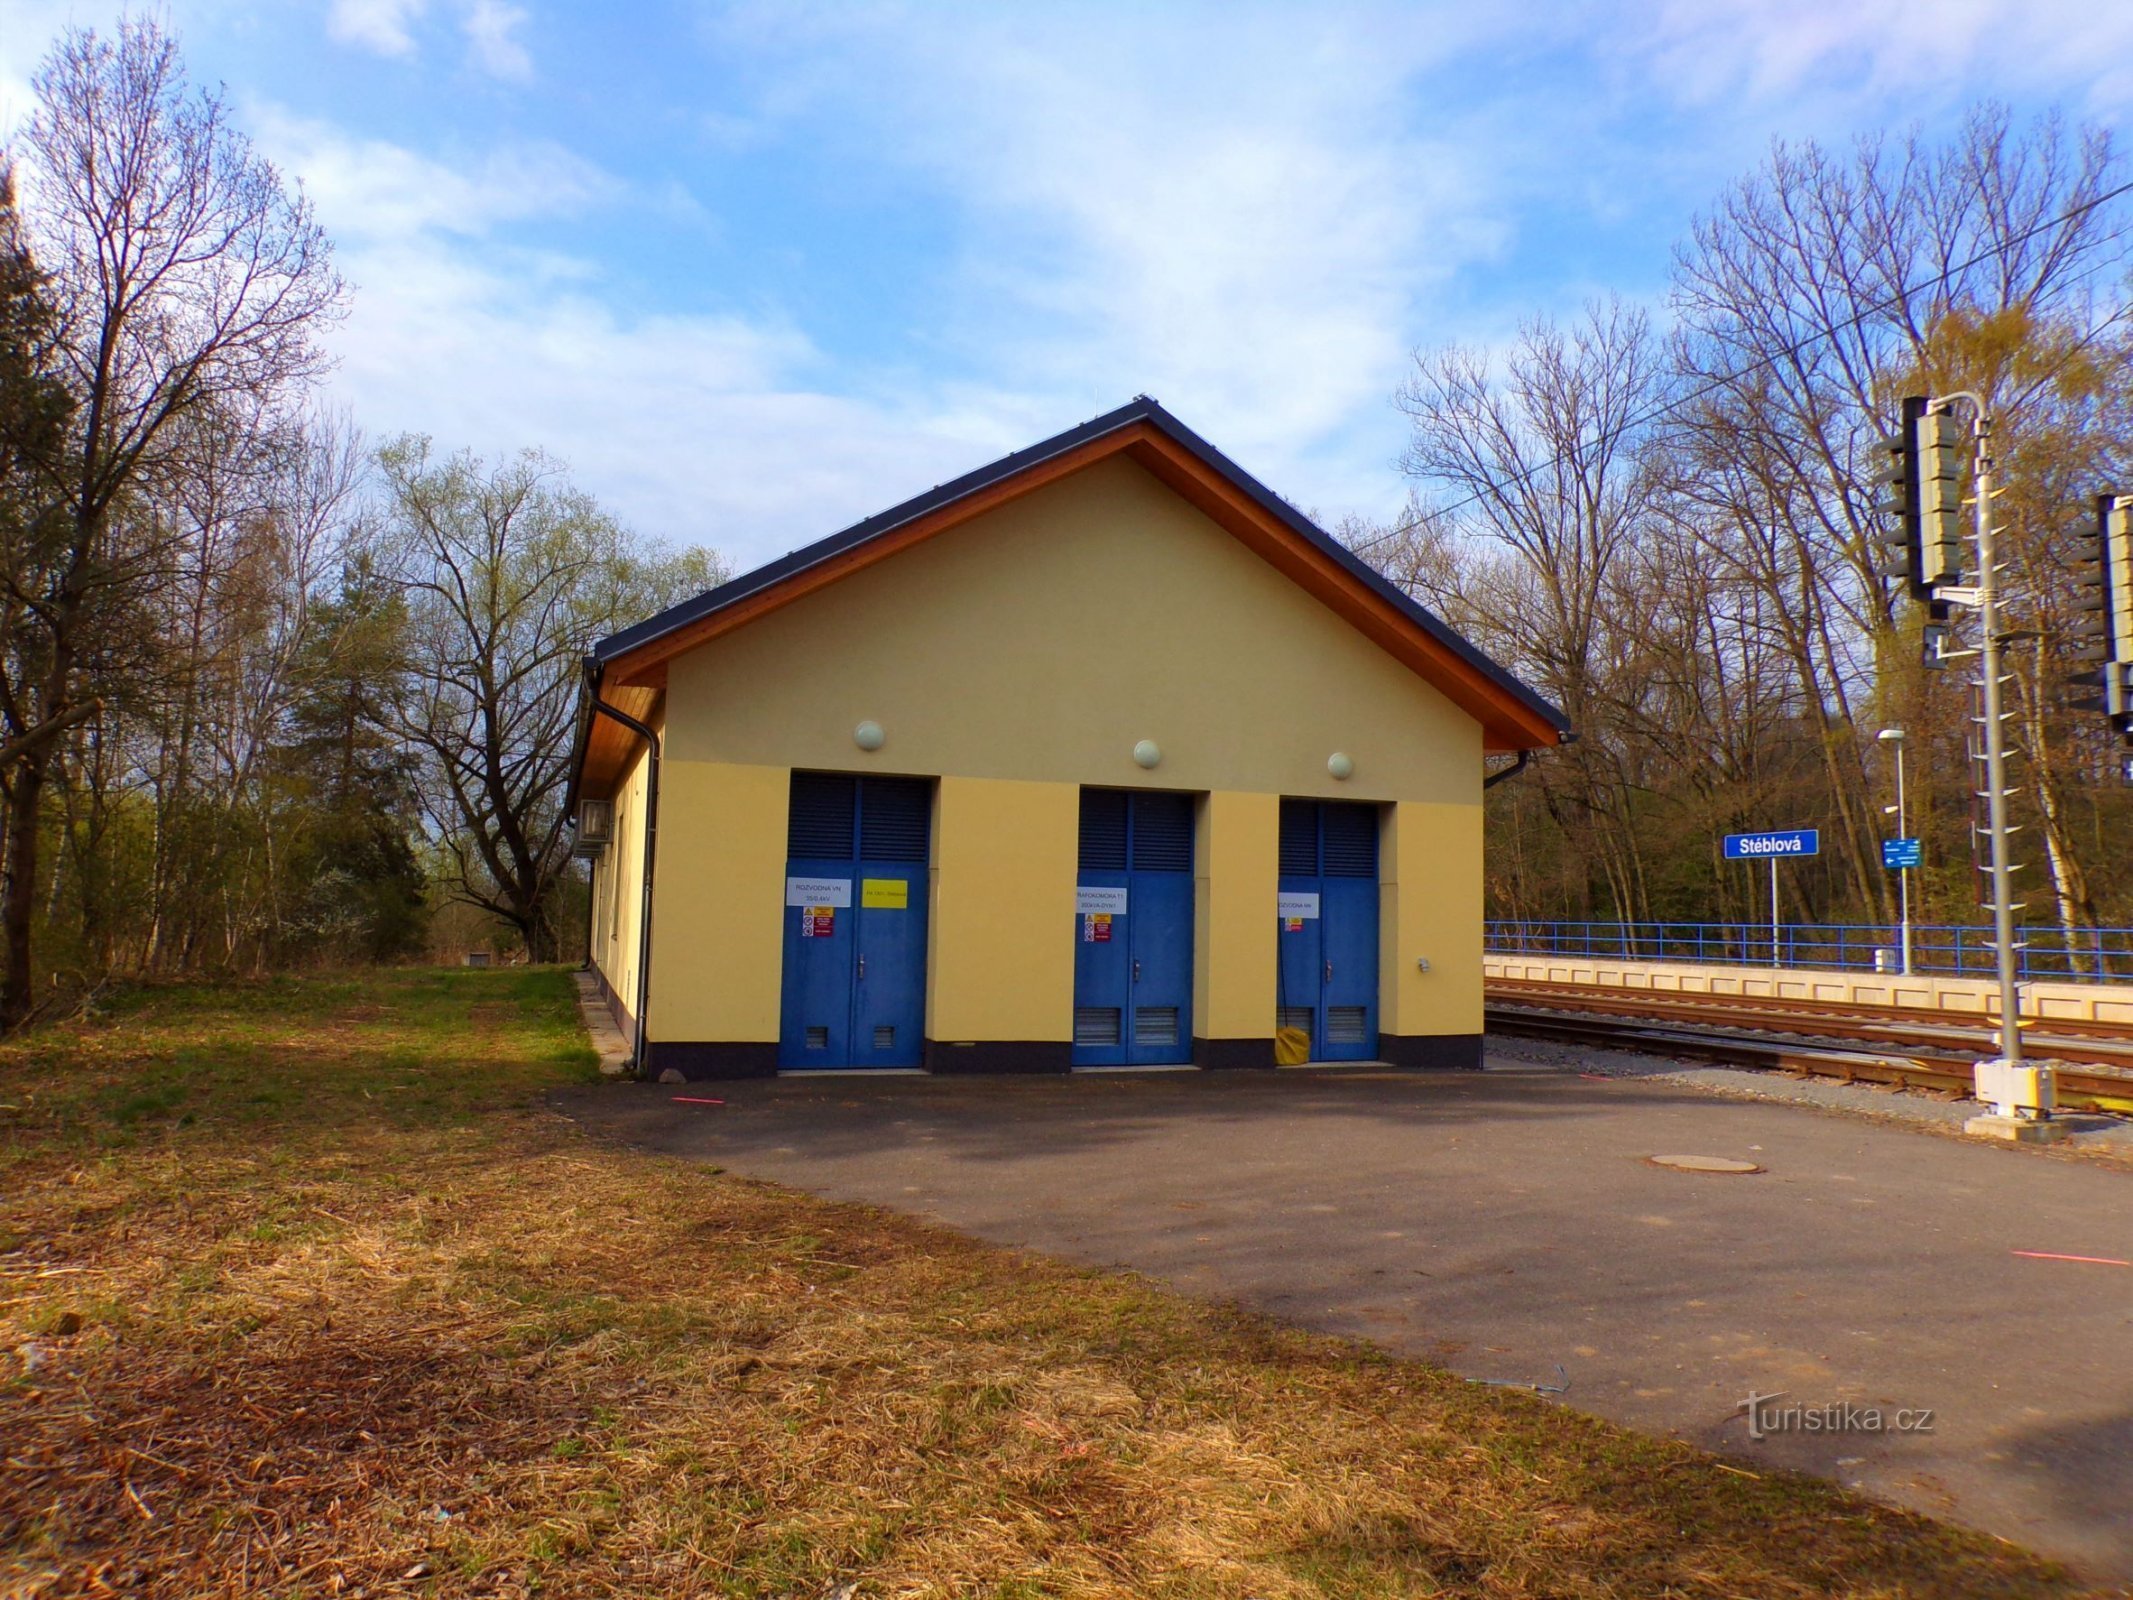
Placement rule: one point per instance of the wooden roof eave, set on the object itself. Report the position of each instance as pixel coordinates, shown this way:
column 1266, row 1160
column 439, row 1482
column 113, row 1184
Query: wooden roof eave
column 1508, row 723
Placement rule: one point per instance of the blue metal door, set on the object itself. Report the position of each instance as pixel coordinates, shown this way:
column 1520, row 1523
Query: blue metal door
column 1327, row 981
column 1133, row 930
column 855, row 922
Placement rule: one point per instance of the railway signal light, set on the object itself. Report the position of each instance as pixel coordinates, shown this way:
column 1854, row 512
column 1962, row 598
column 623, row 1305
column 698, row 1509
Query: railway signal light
column 1921, row 484
column 1900, row 536
column 1940, row 450
column 2106, row 637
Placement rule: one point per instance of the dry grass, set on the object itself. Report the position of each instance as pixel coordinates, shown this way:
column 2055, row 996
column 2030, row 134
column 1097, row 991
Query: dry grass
column 302, row 1293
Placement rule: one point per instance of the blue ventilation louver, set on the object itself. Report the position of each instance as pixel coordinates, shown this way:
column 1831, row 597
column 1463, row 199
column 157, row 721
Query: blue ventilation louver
column 819, row 827
column 895, row 818
column 1103, row 830
column 1351, row 840
column 1162, row 833
column 1299, row 838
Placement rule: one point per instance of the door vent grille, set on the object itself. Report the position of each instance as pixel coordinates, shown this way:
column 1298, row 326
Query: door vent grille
column 818, row 1038
column 1103, row 830
column 895, row 818
column 1155, row 1024
column 1299, row 838
column 1162, row 833
column 884, row 1036
column 819, row 826
column 1096, row 1026
column 1351, row 841
column 1297, row 1017
column 1347, row 1024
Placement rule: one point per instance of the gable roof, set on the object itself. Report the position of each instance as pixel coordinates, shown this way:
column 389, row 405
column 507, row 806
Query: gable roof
column 1512, row 716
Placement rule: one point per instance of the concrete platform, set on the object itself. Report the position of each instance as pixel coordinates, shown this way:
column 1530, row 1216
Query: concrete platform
column 1968, row 998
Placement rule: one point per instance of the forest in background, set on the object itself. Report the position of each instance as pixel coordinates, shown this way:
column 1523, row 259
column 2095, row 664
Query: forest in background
column 274, row 694
column 271, row 694
column 1669, row 530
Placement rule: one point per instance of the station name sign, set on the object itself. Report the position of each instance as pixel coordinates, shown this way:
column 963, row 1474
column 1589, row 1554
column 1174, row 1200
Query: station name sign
column 1785, row 842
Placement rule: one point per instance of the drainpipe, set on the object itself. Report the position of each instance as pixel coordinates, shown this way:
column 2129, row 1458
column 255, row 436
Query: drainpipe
column 651, row 837
column 592, row 922
column 1494, row 778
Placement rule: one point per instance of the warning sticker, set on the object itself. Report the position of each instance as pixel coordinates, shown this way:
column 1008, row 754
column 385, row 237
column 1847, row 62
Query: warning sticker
column 1096, row 927
column 885, row 894
column 1292, row 924
column 1297, row 907
column 818, row 891
column 818, row 922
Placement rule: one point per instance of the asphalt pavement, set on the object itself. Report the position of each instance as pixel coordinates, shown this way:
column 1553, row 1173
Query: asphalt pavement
column 1904, row 1298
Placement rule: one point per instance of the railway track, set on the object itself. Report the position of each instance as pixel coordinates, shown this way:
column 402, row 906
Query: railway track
column 1849, row 1041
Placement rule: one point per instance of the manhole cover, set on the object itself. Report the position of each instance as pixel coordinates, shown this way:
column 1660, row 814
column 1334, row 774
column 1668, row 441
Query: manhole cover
column 1703, row 1164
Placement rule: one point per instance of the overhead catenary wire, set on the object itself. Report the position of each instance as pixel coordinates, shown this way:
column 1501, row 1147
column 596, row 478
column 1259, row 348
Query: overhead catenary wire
column 1901, row 296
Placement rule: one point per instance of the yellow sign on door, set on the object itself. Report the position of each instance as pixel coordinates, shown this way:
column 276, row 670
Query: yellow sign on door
column 885, row 894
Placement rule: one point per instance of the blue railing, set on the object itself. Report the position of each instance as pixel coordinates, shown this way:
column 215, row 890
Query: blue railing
column 2092, row 953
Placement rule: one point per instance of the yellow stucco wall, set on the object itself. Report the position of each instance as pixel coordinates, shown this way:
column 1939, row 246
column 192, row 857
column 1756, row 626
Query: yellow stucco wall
column 1429, row 908
column 1001, row 961
column 718, row 901
column 1041, row 641
column 1235, row 857
column 618, row 885
column 1016, row 659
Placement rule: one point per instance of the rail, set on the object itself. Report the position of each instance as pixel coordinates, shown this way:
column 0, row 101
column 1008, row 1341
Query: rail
column 1899, row 1045
column 1940, row 948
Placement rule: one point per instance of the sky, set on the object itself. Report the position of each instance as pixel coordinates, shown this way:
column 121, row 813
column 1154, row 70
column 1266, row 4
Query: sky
column 754, row 271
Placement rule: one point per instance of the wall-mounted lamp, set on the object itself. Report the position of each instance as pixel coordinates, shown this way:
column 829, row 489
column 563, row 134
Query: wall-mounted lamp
column 1341, row 765
column 1147, row 753
column 868, row 735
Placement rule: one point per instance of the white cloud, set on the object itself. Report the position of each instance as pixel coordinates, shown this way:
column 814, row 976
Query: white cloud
column 492, row 28
column 387, row 27
column 382, row 26
column 1911, row 60
column 701, row 429
column 1252, row 214
column 375, row 190
column 1229, row 211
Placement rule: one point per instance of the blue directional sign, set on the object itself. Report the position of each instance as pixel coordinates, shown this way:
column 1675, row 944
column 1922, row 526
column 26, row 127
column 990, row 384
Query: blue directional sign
column 1784, row 842
column 1897, row 854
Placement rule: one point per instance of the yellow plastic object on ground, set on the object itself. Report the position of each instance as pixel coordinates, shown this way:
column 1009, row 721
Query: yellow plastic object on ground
column 1292, row 1047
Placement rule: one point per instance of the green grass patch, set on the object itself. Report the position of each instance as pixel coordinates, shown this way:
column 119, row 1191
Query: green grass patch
column 304, row 1291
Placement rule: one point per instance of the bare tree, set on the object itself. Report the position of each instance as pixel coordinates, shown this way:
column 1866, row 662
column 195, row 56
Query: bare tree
column 1809, row 299
column 509, row 574
column 1549, row 457
column 187, row 283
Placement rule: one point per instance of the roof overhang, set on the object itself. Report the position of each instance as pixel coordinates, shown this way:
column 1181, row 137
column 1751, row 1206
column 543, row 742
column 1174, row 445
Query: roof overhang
column 633, row 663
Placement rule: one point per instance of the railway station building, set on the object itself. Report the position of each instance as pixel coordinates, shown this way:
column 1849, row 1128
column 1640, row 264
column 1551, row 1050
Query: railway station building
column 1100, row 756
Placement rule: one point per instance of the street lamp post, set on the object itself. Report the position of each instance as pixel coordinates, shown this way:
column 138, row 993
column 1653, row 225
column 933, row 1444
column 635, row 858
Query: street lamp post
column 1894, row 736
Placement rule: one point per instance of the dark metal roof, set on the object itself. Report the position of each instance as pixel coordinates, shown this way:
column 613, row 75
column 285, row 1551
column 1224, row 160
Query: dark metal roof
column 1140, row 409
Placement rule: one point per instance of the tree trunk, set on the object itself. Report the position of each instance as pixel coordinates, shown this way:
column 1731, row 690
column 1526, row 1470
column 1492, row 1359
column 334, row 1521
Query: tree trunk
column 18, row 889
